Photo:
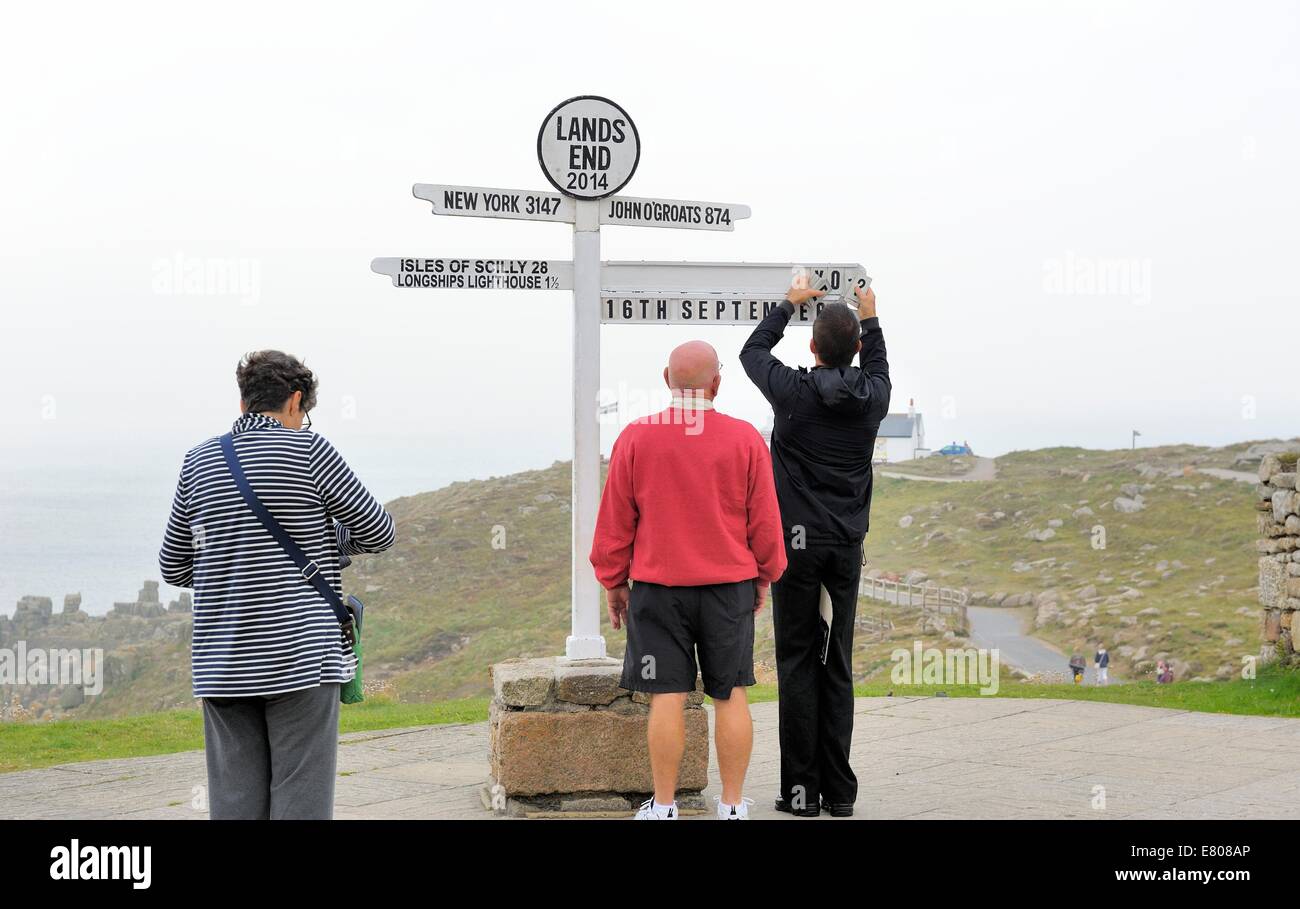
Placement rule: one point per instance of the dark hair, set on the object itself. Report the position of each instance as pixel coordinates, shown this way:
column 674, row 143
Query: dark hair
column 836, row 333
column 268, row 377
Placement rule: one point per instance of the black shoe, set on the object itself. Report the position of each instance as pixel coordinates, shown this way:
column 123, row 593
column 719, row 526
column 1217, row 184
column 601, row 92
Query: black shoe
column 812, row 811
column 838, row 809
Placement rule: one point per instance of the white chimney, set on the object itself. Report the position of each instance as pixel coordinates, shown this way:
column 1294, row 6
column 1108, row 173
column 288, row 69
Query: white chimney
column 911, row 407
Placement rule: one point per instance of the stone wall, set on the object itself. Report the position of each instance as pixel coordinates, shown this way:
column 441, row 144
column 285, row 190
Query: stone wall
column 566, row 740
column 1279, row 551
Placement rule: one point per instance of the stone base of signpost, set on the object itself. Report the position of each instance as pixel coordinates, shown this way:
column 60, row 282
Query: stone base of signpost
column 567, row 741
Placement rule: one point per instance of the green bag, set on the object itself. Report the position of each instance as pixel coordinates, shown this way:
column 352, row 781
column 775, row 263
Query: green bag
column 350, row 692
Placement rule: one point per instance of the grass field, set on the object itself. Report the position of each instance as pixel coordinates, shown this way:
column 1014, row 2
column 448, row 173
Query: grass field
column 24, row 746
column 1175, row 579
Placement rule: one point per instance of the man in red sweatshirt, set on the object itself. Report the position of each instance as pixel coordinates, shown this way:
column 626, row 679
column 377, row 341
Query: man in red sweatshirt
column 689, row 515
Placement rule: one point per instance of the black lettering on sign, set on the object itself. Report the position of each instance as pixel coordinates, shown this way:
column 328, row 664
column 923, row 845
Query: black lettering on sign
column 459, row 200
column 590, row 129
column 501, row 202
column 589, row 157
column 416, row 266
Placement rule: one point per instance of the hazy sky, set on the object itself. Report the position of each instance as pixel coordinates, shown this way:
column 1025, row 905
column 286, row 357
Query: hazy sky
column 1080, row 217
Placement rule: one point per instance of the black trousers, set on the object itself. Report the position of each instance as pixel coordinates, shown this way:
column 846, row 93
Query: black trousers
column 816, row 699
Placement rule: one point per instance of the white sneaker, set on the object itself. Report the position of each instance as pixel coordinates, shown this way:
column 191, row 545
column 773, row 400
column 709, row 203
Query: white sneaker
column 733, row 812
column 650, row 812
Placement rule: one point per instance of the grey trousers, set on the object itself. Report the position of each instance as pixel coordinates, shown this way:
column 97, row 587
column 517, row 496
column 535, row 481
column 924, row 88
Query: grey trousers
column 272, row 757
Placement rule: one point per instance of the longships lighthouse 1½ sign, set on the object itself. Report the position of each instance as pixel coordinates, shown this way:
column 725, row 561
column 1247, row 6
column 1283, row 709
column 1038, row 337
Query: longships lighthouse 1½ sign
column 589, row 149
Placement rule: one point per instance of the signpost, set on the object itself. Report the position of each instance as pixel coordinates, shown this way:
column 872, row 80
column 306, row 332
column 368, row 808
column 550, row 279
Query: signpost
column 589, row 149
column 477, row 274
column 669, row 293
column 483, row 202
column 633, row 212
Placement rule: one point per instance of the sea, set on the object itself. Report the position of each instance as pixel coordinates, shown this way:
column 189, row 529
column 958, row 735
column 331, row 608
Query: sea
column 96, row 530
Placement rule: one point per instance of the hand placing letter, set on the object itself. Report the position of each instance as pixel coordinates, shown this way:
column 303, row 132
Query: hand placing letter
column 866, row 302
column 801, row 296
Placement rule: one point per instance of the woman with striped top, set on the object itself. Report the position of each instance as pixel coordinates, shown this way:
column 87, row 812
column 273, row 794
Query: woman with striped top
column 268, row 654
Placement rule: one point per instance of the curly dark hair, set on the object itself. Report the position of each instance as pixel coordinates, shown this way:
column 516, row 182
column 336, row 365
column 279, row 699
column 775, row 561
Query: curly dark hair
column 268, row 377
column 836, row 332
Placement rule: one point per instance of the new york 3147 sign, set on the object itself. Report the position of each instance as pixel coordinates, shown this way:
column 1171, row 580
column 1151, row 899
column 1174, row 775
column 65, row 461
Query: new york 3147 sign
column 588, row 147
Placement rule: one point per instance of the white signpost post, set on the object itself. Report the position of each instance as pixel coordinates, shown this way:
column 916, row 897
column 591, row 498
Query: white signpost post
column 589, row 149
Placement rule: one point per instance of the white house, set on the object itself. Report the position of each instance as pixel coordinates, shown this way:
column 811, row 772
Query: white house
column 901, row 436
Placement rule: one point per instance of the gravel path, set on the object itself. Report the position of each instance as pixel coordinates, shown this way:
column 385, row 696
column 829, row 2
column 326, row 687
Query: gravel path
column 984, row 469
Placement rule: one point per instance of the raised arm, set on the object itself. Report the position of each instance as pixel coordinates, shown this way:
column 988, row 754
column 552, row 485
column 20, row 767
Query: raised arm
column 872, row 359
column 360, row 523
column 778, row 382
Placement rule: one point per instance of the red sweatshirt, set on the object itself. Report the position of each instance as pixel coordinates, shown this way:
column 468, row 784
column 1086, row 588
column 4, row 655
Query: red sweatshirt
column 689, row 500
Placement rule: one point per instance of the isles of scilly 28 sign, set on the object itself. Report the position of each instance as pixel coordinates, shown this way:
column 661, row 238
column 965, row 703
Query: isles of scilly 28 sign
column 588, row 147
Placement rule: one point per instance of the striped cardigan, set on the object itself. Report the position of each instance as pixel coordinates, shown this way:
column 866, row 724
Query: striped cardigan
column 259, row 627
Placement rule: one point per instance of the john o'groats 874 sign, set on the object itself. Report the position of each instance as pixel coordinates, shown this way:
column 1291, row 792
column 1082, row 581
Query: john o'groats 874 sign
column 588, row 147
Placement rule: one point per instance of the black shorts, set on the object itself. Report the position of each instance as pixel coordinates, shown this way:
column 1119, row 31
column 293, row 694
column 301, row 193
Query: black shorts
column 667, row 625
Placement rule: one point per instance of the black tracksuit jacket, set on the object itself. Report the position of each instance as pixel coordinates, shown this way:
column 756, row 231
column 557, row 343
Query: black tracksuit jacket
column 824, row 431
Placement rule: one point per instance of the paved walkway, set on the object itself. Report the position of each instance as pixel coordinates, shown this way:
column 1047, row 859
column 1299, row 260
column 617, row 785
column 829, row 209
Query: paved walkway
column 915, row 758
column 1007, row 630
column 1241, row 476
column 984, row 469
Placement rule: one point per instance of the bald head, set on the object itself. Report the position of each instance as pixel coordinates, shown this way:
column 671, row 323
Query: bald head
column 693, row 365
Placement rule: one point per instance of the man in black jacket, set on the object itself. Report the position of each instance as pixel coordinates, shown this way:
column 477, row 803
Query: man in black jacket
column 823, row 437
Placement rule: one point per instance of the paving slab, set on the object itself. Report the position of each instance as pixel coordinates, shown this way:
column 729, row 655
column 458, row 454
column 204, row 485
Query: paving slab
column 915, row 758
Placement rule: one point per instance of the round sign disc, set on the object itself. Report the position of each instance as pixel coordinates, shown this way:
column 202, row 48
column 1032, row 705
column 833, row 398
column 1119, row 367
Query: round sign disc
column 588, row 147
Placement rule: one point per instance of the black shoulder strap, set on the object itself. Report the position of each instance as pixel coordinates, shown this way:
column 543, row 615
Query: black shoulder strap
column 309, row 569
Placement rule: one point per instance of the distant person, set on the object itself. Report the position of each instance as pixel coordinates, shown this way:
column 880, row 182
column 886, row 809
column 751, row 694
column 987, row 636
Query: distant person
column 268, row 653
column 823, row 436
column 1101, row 662
column 1077, row 666
column 1164, row 673
column 689, row 517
